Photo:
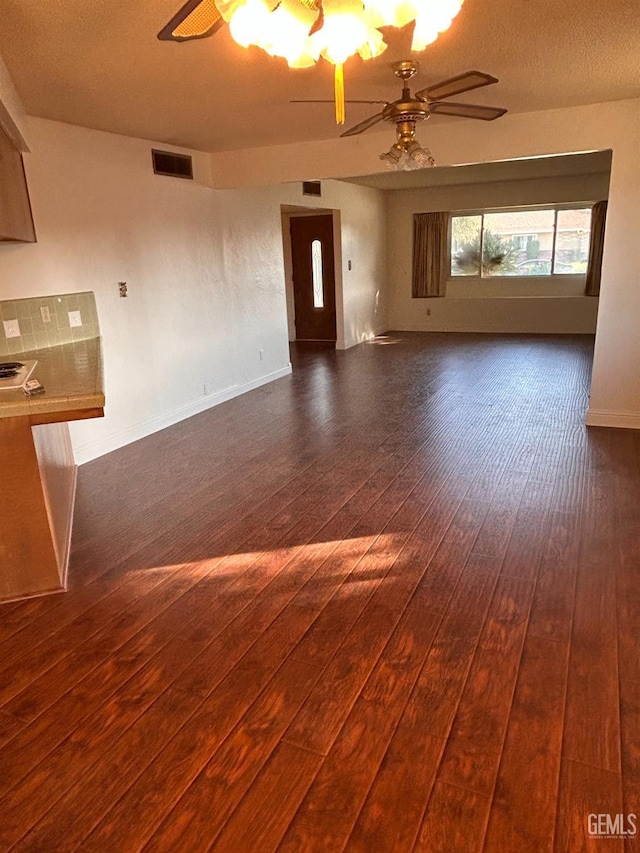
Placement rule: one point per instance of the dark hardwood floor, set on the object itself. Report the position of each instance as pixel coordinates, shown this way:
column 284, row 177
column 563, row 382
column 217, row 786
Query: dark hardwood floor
column 388, row 604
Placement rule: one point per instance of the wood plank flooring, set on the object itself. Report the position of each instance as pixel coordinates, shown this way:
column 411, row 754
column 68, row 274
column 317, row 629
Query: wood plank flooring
column 389, row 604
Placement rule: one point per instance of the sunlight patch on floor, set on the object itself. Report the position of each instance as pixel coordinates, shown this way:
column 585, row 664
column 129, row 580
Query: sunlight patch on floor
column 348, row 569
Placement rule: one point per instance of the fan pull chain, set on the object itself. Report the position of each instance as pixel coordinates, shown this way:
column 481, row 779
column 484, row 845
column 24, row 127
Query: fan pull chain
column 339, row 93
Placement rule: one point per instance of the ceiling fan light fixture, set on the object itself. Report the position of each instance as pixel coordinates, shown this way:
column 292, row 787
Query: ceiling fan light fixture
column 422, row 40
column 436, row 16
column 391, row 158
column 408, row 156
column 346, row 31
column 374, row 46
column 423, row 35
column 390, row 13
column 301, row 31
column 419, row 157
column 288, row 34
column 228, row 8
column 432, row 21
column 249, row 22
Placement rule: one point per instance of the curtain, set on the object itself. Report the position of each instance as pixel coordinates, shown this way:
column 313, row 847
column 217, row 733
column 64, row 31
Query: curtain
column 430, row 254
column 594, row 267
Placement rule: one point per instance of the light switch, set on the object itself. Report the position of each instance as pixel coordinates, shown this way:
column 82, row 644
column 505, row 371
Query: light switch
column 11, row 329
column 75, row 319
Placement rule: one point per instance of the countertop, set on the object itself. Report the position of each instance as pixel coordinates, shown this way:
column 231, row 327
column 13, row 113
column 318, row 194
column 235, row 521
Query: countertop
column 72, row 376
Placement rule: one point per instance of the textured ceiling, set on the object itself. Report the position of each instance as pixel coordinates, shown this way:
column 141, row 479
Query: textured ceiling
column 99, row 64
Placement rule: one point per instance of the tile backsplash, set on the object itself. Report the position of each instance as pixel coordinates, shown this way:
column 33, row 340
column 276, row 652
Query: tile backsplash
column 47, row 321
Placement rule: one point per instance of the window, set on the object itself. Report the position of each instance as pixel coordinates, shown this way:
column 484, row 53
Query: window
column 521, row 242
column 316, row 274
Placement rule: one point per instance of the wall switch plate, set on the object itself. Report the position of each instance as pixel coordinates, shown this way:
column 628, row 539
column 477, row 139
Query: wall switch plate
column 11, row 328
column 75, row 319
column 45, row 313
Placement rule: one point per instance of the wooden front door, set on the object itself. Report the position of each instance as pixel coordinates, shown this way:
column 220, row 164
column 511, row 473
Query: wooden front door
column 314, row 288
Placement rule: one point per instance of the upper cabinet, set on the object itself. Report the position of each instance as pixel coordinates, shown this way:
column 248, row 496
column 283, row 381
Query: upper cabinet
column 16, row 220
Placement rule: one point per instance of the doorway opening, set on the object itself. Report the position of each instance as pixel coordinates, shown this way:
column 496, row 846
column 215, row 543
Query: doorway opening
column 309, row 242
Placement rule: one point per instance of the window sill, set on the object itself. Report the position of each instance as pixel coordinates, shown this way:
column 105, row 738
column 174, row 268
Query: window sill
column 517, row 279
column 514, row 287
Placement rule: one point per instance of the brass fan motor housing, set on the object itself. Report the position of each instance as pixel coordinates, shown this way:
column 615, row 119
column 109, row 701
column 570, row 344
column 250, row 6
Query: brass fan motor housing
column 405, row 115
column 406, row 69
column 406, row 111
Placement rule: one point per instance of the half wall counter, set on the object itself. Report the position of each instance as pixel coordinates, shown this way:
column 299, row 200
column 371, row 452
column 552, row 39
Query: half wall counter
column 37, row 468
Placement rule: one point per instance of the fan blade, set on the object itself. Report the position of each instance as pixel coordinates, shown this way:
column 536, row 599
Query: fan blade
column 331, row 101
column 364, row 125
column 457, row 85
column 447, row 108
column 196, row 20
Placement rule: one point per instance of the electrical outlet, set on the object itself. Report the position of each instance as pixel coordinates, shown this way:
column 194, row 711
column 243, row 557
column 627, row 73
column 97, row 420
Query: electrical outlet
column 207, row 389
column 45, row 313
column 75, row 319
column 11, row 329
column 261, row 355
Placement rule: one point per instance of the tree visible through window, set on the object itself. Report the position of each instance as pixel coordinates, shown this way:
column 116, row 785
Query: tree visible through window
column 521, row 243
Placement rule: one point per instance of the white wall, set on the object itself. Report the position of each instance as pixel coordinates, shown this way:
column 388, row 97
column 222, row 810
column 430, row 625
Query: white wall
column 544, row 304
column 364, row 245
column 615, row 392
column 204, row 267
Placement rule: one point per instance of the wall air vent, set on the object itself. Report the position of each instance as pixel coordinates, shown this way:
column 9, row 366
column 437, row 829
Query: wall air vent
column 311, row 188
column 172, row 165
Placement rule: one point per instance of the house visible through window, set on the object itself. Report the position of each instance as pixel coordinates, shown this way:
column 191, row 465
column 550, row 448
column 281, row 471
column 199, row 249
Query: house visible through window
column 316, row 273
column 521, row 242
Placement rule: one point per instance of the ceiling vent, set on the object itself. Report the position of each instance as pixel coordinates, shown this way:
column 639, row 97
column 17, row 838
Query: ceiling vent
column 172, row 165
column 311, row 188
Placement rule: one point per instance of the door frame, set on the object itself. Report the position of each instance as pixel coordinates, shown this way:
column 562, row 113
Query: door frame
column 289, row 211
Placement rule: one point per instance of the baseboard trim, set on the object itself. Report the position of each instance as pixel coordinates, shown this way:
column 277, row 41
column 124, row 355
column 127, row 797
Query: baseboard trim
column 470, row 329
column 618, row 420
column 92, row 450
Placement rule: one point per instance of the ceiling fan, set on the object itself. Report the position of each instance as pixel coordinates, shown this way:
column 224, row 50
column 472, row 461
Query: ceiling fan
column 195, row 20
column 409, row 109
column 303, row 31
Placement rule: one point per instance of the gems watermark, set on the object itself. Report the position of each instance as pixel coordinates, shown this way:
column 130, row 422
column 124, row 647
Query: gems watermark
column 612, row 825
